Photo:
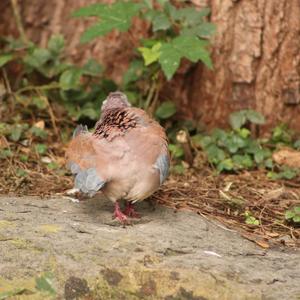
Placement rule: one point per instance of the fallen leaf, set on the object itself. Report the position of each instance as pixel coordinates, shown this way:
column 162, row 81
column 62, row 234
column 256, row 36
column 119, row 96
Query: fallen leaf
column 40, row 124
column 262, row 244
column 3, row 142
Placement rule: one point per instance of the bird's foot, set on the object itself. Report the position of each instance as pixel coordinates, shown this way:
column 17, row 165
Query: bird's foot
column 122, row 218
column 130, row 211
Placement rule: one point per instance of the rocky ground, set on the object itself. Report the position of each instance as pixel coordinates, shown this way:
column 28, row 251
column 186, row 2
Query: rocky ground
column 60, row 249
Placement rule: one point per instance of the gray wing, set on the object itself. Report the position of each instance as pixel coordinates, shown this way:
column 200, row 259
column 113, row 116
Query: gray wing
column 162, row 164
column 87, row 181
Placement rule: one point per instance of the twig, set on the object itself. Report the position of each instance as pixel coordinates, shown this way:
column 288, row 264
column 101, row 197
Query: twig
column 18, row 20
column 51, row 86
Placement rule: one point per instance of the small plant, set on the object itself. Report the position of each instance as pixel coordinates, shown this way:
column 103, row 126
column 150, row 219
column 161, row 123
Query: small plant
column 176, row 33
column 293, row 215
column 250, row 219
column 235, row 150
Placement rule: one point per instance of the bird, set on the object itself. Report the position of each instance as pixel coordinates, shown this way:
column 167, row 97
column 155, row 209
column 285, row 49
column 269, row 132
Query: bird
column 126, row 156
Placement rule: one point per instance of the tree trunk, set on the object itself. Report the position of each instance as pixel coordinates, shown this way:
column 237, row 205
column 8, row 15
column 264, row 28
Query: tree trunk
column 256, row 55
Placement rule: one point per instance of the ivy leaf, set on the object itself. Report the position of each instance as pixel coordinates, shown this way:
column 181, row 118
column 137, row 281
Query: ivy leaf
column 289, row 214
column 5, row 58
column 190, row 16
column 237, row 120
column 169, row 60
column 215, row 154
column 92, row 68
column 70, row 79
column 38, row 58
column 151, row 55
column 160, row 22
column 56, row 44
column 115, row 16
column 242, row 161
column 134, row 71
column 193, row 49
column 183, row 46
column 93, row 10
column 166, row 110
column 176, row 150
column 202, row 30
column 41, row 148
column 226, row 164
column 255, row 117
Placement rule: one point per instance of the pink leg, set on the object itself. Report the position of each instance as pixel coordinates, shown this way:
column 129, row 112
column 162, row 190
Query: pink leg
column 130, row 212
column 119, row 215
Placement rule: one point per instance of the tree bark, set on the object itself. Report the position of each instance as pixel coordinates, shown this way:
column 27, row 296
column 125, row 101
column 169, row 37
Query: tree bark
column 256, row 54
column 256, row 58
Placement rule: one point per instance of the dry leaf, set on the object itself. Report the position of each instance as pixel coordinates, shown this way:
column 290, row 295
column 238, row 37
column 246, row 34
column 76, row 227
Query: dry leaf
column 40, row 124
column 3, row 142
column 262, row 244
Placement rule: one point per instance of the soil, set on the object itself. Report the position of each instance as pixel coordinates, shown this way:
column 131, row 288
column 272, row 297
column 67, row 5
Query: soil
column 167, row 254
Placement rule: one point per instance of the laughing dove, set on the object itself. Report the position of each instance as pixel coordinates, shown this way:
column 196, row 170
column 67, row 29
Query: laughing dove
column 126, row 157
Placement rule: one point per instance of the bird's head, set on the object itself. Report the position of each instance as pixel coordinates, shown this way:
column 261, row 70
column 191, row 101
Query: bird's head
column 115, row 100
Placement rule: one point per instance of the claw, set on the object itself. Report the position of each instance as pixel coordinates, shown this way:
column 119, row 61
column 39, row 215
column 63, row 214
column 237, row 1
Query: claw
column 130, row 211
column 122, row 218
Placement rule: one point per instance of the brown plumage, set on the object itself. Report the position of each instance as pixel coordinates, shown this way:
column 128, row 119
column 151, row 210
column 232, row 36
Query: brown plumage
column 126, row 157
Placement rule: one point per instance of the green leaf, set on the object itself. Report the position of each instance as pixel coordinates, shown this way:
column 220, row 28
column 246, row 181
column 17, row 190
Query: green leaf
column 237, row 119
column 39, row 102
column 193, row 49
column 92, row 68
column 70, row 79
column 297, row 209
column 41, row 148
column 259, row 156
column 242, row 161
column 24, row 158
column 255, row 117
column 215, row 154
column 45, row 284
column 202, row 30
column 176, row 150
column 297, row 145
column 93, row 10
column 226, row 164
column 190, row 16
column 269, row 163
column 16, row 133
column 243, row 132
column 166, row 110
column 150, row 55
column 206, row 141
column 289, row 173
column 134, row 72
column 56, row 44
column 5, row 58
column 21, row 172
column 252, row 221
column 38, row 58
column 160, row 22
column 169, row 60
column 273, row 175
column 116, row 16
column 5, row 153
column 39, row 132
column 296, row 219
column 289, row 214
